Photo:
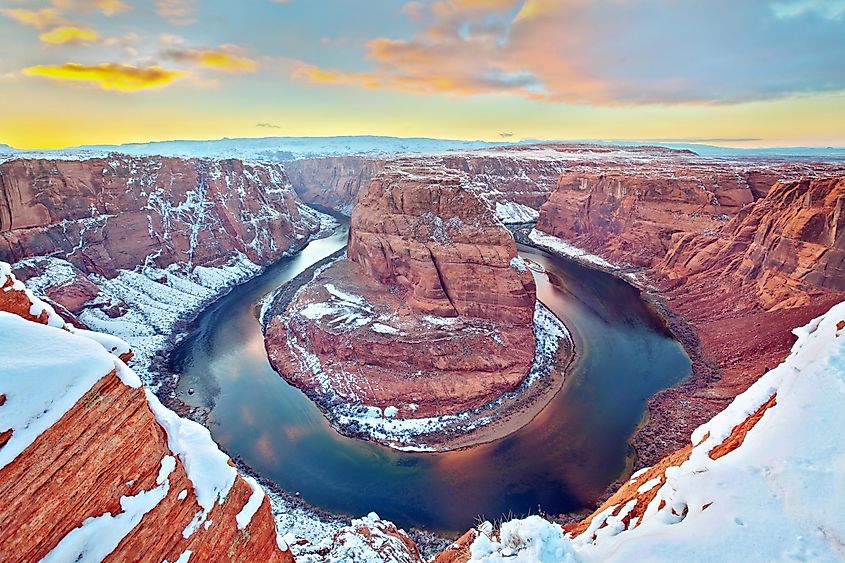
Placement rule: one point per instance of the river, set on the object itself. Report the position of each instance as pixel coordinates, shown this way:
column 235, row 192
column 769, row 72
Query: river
column 560, row 462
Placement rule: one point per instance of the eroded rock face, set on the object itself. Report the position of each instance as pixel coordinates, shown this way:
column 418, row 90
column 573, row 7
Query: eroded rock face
column 431, row 314
column 104, row 457
column 630, row 212
column 430, row 235
column 107, row 215
column 515, row 184
column 790, row 245
column 332, row 182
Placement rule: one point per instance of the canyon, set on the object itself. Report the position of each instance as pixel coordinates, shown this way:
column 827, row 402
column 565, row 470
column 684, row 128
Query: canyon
column 432, row 312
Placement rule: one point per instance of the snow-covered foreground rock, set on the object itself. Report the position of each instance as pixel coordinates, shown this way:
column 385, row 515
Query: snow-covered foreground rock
column 93, row 467
column 132, row 246
column 761, row 481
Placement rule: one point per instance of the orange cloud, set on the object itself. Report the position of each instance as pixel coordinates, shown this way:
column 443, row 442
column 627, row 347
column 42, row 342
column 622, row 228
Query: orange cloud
column 226, row 58
column 69, row 35
column 39, row 19
column 108, row 76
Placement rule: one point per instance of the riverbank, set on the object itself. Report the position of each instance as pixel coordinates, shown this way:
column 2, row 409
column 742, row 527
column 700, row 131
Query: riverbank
column 659, row 433
column 490, row 422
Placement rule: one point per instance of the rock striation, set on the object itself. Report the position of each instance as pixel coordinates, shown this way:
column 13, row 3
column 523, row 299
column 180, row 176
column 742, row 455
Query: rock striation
column 102, row 470
column 130, row 245
column 332, row 182
column 431, row 313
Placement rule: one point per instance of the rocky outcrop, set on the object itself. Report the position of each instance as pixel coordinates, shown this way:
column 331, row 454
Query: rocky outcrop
column 131, row 246
column 789, row 245
column 332, row 182
column 431, row 314
column 104, row 216
column 629, row 213
column 93, row 466
column 516, row 183
column 433, row 238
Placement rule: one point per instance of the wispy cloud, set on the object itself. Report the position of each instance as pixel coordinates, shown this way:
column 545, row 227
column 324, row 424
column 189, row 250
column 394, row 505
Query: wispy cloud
column 828, row 9
column 606, row 52
column 109, row 76
column 226, row 58
column 106, row 7
column 268, row 126
column 39, row 19
column 69, row 35
column 178, row 12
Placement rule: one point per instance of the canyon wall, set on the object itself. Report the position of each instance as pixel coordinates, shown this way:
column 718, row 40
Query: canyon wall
column 131, row 246
column 515, row 182
column 332, row 182
column 731, row 257
column 431, row 236
column 106, row 215
column 93, row 467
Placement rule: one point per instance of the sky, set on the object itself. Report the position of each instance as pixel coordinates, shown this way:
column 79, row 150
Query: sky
column 725, row 72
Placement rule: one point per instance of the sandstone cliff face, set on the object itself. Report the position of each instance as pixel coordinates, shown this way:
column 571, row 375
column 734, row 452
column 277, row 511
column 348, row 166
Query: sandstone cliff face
column 104, row 470
column 630, row 213
column 106, row 215
column 515, row 184
column 431, row 314
column 332, row 182
column 431, row 236
column 789, row 245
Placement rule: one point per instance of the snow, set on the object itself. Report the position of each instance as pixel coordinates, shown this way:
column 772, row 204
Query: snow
column 244, row 517
column 207, row 467
column 531, row 540
column 366, row 540
column 518, row 264
column 777, row 497
column 98, row 536
column 510, row 212
column 44, row 371
column 37, row 306
column 112, row 344
column 564, row 248
column 384, row 329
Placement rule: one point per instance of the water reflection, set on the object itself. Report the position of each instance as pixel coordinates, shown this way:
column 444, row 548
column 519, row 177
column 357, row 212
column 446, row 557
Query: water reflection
column 561, row 461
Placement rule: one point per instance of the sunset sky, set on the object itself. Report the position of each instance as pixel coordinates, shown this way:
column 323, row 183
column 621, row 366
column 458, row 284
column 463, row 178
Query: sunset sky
column 738, row 72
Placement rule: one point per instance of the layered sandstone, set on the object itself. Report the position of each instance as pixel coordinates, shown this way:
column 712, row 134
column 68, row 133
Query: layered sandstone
column 113, row 475
column 431, row 314
column 630, row 212
column 515, row 182
column 106, row 215
column 332, row 182
column 729, row 255
column 131, row 246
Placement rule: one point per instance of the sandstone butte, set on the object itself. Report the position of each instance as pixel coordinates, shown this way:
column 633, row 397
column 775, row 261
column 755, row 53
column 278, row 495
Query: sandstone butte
column 430, row 311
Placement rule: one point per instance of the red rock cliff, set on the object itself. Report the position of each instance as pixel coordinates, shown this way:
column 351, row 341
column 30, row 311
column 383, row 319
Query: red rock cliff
column 104, row 215
column 113, row 475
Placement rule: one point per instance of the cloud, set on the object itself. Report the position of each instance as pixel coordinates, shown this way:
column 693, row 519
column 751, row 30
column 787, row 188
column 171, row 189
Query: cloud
column 106, row 7
column 607, row 52
column 178, row 12
column 828, row 9
column 226, row 58
column 268, row 125
column 109, row 76
column 506, row 135
column 39, row 19
column 69, row 35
